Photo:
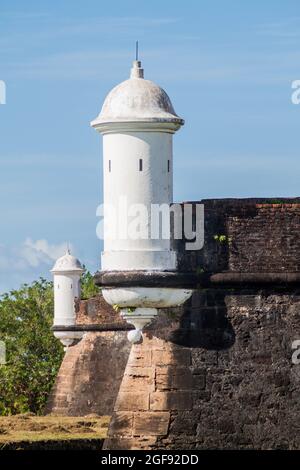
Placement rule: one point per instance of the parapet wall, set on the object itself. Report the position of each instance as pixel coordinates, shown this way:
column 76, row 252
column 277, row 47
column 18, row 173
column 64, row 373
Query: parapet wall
column 259, row 237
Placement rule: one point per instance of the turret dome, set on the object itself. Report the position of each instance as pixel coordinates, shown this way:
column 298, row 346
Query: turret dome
column 67, row 263
column 137, row 100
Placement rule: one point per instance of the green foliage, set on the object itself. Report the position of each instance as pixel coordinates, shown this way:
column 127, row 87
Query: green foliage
column 33, row 354
column 88, row 286
column 117, row 309
column 199, row 270
column 276, row 201
column 131, row 310
column 222, row 239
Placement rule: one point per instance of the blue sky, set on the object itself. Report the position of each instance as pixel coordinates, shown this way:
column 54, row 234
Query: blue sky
column 227, row 66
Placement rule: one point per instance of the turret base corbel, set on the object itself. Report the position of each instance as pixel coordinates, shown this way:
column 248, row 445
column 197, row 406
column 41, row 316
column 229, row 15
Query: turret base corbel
column 139, row 318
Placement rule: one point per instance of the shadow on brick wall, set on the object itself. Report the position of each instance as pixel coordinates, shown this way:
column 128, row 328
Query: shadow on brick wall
column 204, row 323
column 201, row 323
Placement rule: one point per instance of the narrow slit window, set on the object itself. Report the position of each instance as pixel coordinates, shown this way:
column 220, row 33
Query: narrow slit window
column 168, row 166
column 141, row 165
column 109, row 165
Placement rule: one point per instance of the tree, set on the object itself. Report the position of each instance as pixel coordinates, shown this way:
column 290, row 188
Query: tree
column 88, row 286
column 33, row 354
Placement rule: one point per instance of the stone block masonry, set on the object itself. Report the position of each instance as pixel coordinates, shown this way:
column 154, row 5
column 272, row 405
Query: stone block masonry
column 219, row 374
column 222, row 365
column 142, row 409
column 90, row 375
column 91, row 372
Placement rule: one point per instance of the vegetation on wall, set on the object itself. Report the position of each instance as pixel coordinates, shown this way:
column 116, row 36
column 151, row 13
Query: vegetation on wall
column 33, row 354
column 222, row 239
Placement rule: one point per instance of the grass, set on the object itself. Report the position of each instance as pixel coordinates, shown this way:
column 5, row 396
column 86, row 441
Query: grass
column 29, row 428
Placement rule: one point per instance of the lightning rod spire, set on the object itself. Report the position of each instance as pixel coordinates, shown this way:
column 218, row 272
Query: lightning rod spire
column 136, row 50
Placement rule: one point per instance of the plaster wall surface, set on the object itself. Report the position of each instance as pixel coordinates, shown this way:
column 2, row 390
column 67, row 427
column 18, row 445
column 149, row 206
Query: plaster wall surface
column 66, row 290
column 138, row 172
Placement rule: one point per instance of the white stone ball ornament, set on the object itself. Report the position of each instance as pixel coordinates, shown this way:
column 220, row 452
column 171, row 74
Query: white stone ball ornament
column 134, row 336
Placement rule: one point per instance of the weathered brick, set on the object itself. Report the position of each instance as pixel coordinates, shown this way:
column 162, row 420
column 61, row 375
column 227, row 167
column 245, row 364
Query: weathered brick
column 168, row 378
column 139, row 371
column 132, row 401
column 176, row 400
column 141, row 443
column 184, row 426
column 121, row 423
column 136, row 382
column 151, row 423
column 139, row 358
column 241, row 337
column 178, row 357
column 199, row 379
column 90, row 374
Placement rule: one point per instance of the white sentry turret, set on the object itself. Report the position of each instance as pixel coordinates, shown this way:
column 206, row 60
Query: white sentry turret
column 66, row 272
column 137, row 122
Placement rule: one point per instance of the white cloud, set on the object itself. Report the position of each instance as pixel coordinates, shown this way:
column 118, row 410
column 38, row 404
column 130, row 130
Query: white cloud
column 40, row 252
column 27, row 262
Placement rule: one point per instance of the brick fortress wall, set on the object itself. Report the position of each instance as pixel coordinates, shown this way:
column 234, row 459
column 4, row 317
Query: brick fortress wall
column 260, row 236
column 91, row 372
column 216, row 373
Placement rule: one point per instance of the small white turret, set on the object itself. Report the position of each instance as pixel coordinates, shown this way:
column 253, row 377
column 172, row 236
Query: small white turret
column 66, row 272
column 137, row 121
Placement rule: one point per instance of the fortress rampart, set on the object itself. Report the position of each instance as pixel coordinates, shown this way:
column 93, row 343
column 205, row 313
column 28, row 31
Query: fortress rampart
column 217, row 372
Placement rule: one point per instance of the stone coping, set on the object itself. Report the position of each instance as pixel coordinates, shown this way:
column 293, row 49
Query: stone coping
column 112, row 279
column 94, row 327
column 255, row 278
column 146, row 279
